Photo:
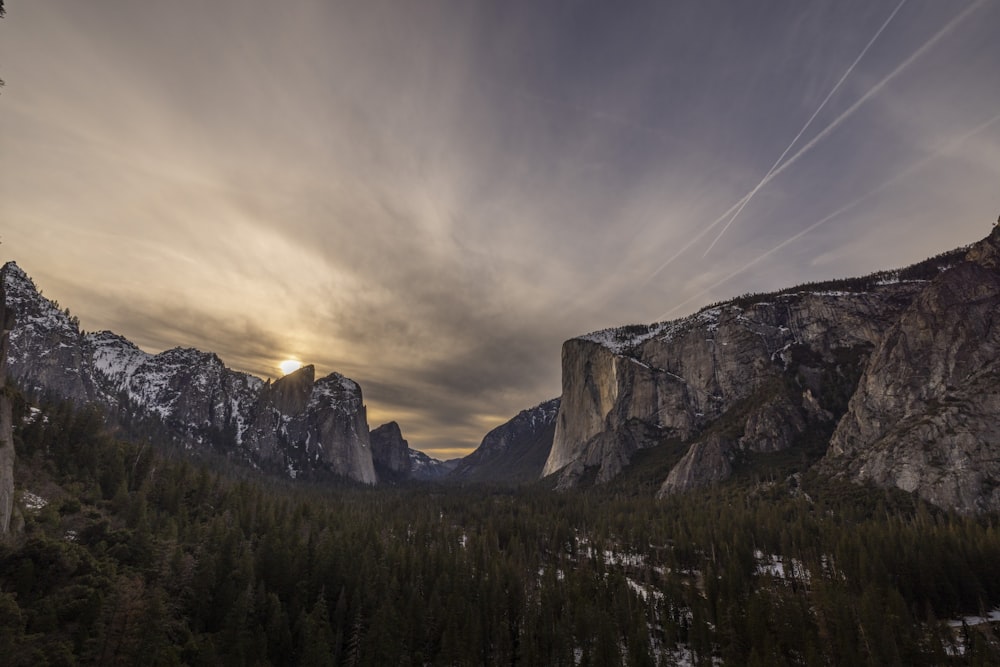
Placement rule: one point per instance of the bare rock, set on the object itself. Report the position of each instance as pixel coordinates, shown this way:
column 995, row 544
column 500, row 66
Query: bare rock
column 707, row 461
column 390, row 452
column 926, row 415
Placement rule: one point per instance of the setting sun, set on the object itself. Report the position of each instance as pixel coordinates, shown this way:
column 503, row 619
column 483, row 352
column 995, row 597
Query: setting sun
column 290, row 366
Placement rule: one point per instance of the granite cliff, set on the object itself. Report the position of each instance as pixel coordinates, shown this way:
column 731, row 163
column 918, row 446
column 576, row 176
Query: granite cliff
column 391, row 453
column 297, row 426
column 926, row 415
column 627, row 389
column 897, row 371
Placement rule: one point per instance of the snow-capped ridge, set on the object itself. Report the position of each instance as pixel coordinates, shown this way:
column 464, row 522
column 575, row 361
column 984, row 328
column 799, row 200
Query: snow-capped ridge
column 189, row 394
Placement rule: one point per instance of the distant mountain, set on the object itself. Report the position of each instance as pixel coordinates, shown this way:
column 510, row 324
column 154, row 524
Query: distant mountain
column 424, row 468
column 298, row 426
column 897, row 371
column 512, row 452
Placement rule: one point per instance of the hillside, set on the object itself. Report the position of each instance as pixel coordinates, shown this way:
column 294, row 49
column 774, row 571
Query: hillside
column 514, row 452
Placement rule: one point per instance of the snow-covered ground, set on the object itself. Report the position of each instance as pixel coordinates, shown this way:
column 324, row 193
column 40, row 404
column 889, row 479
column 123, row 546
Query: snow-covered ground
column 991, row 617
column 781, row 568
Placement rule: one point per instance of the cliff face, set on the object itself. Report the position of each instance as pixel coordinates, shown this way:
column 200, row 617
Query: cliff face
column 631, row 388
column 390, row 452
column 46, row 346
column 515, row 451
column 926, row 415
column 901, row 367
column 6, row 427
column 297, row 426
column 311, row 426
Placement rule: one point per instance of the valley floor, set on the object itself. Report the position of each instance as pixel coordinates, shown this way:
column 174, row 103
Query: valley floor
column 128, row 555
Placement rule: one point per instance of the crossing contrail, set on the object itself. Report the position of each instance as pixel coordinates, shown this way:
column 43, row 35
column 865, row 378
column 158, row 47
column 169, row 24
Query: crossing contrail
column 825, row 131
column 875, row 89
column 843, row 209
column 746, row 199
column 775, row 171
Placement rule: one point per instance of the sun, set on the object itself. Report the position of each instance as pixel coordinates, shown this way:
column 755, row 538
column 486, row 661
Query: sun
column 290, row 366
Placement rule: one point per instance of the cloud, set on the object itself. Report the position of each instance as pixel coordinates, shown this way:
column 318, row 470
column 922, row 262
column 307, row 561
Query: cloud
column 431, row 197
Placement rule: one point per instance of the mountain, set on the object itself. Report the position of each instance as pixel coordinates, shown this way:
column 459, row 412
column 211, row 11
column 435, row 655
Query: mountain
column 512, row 452
column 897, row 371
column 424, row 468
column 297, row 426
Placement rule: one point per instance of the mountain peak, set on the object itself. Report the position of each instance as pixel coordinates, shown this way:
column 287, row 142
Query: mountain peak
column 12, row 269
column 295, row 425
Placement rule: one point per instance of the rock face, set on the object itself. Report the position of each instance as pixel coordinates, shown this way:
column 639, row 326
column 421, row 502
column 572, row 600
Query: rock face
column 512, row 452
column 926, row 415
column 900, row 367
column 630, row 388
column 6, row 427
column 706, row 461
column 298, row 425
column 390, row 452
column 313, row 426
column 46, row 346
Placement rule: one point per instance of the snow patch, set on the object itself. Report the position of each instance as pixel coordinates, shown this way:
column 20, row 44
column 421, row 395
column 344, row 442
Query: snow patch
column 33, row 415
column 32, row 502
column 992, row 617
column 780, row 567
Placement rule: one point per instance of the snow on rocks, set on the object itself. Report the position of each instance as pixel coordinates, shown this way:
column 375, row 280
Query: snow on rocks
column 33, row 502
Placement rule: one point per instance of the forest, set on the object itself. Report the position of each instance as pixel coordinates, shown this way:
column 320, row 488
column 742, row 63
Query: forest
column 130, row 553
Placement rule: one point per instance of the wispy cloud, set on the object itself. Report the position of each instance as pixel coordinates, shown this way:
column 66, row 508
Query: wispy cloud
column 882, row 187
column 750, row 195
column 431, row 197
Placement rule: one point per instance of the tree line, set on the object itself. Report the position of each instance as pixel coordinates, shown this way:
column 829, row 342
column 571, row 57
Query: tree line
column 142, row 556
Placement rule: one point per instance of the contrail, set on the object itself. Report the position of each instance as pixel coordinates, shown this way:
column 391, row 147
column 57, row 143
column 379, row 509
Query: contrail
column 875, row 89
column 694, row 240
column 748, row 197
column 886, row 184
column 828, row 129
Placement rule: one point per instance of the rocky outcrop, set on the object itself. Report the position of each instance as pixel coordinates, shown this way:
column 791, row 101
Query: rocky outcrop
column 926, row 415
column 395, row 462
column 6, row 426
column 515, row 451
column 390, row 452
column 313, row 427
column 774, row 425
column 707, row 461
column 47, row 350
column 768, row 422
column 298, row 426
column 630, row 388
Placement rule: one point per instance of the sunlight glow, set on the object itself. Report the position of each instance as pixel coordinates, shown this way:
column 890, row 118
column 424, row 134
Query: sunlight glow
column 289, row 366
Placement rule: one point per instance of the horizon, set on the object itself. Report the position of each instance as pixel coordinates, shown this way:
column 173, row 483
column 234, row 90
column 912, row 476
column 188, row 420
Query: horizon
column 431, row 200
column 302, row 365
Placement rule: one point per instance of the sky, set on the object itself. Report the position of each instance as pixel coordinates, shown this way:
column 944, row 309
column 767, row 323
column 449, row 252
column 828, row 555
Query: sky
column 431, row 196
